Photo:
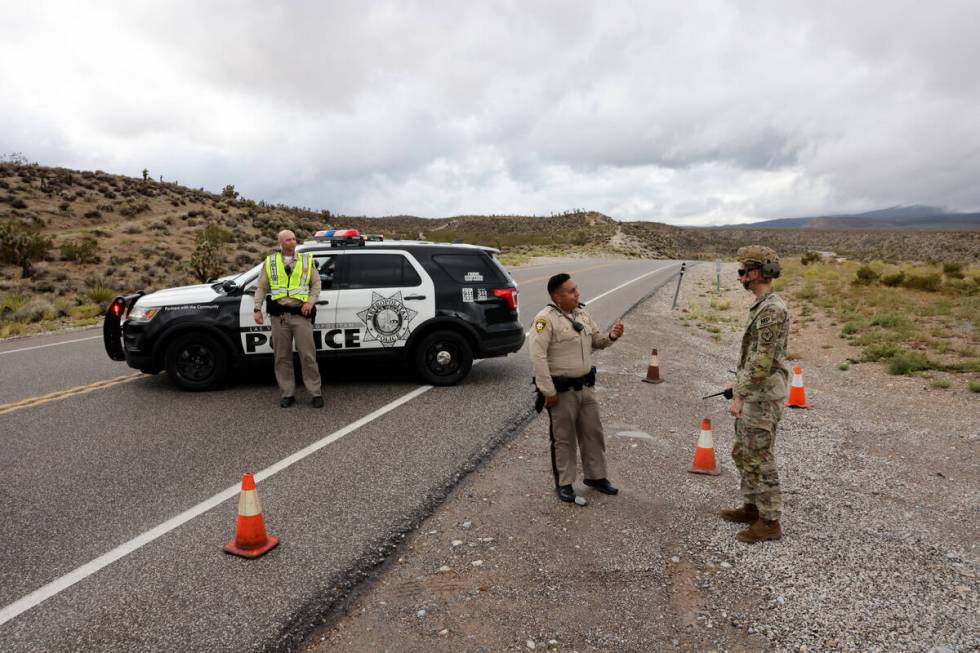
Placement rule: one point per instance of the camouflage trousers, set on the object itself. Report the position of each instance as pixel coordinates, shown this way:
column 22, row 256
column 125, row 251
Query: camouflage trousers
column 755, row 457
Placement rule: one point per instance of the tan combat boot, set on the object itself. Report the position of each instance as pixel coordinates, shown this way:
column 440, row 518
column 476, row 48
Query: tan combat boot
column 747, row 514
column 761, row 531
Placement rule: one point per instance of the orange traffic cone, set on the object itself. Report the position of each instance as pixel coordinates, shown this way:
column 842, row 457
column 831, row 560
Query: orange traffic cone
column 251, row 540
column 653, row 369
column 797, row 394
column 704, row 456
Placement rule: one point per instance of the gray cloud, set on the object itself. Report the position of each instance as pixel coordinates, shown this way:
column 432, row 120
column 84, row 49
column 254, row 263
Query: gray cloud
column 701, row 113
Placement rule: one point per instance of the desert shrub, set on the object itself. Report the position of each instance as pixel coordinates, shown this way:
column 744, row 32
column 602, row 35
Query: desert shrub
column 12, row 301
column 229, row 192
column 850, row 328
column 942, row 384
column 65, row 207
column 810, row 256
column 967, row 287
column 108, row 194
column 879, row 351
column 134, row 208
column 18, row 203
column 215, row 234
column 893, row 280
column 205, row 261
column 953, row 270
column 85, row 312
column 808, row 291
column 928, row 282
column 93, row 215
column 34, row 310
column 106, row 208
column 8, row 329
column 23, row 247
column 99, row 293
column 974, row 386
column 84, row 250
column 866, row 275
column 133, row 229
column 890, row 320
column 907, row 362
column 843, row 367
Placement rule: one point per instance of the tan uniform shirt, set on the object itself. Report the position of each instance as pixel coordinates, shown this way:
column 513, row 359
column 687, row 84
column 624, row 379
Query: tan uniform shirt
column 558, row 350
column 262, row 287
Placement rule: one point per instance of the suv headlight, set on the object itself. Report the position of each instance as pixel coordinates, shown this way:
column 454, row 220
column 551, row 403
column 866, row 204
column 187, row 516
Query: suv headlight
column 143, row 313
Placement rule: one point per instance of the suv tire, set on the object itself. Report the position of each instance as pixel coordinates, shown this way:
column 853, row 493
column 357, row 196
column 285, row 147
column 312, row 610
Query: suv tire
column 443, row 358
column 196, row 361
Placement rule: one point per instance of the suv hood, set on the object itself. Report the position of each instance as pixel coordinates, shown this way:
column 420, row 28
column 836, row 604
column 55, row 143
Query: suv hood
column 198, row 294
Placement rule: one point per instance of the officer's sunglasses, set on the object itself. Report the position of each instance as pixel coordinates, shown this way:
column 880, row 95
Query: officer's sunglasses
column 742, row 272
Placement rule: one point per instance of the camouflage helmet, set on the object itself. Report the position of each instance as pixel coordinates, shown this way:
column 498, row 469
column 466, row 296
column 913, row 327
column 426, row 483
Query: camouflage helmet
column 759, row 256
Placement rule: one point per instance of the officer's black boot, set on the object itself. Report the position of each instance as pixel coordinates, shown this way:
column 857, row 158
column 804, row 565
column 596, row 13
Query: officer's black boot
column 603, row 485
column 566, row 493
column 286, row 402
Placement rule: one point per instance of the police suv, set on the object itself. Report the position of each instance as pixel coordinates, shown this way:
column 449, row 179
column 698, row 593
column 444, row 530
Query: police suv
column 438, row 306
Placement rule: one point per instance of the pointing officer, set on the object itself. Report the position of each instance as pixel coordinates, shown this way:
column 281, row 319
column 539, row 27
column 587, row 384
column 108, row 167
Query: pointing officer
column 760, row 389
column 562, row 341
column 293, row 284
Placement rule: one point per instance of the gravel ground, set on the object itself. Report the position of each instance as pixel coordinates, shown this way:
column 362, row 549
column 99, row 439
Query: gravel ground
column 879, row 551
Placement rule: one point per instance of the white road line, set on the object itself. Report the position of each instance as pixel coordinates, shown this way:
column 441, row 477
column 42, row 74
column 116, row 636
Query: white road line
column 50, row 344
column 60, row 584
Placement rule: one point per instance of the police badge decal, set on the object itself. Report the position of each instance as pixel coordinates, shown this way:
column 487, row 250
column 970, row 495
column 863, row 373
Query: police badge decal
column 387, row 319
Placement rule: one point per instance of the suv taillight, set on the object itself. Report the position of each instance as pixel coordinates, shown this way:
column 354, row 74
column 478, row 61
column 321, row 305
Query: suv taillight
column 508, row 294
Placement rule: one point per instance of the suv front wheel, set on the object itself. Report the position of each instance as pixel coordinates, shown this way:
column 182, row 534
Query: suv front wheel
column 196, row 361
column 443, row 358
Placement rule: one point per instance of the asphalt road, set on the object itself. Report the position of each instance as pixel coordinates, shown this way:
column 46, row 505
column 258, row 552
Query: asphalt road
column 91, row 477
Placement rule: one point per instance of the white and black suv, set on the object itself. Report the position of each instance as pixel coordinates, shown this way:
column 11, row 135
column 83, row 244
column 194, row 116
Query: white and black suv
column 438, row 306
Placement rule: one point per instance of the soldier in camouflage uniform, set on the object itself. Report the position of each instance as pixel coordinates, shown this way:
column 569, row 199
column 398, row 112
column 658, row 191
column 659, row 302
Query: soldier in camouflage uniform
column 760, row 390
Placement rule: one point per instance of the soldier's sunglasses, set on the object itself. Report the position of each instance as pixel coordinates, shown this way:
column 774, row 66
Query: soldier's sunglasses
column 742, row 273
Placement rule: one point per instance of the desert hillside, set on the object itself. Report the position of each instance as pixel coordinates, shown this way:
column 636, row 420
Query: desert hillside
column 76, row 236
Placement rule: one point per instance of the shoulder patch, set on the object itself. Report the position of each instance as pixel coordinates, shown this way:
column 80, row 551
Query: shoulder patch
column 540, row 324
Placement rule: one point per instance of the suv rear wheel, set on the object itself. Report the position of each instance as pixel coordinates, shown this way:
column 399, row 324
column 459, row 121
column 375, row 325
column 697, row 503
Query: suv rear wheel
column 196, row 361
column 443, row 358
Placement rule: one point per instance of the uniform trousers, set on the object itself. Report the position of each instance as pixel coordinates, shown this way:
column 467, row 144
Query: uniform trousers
column 755, row 456
column 575, row 424
column 286, row 329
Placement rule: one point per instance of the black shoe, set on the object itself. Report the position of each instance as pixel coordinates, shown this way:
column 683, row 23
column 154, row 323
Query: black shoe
column 603, row 485
column 318, row 402
column 286, row 402
column 566, row 493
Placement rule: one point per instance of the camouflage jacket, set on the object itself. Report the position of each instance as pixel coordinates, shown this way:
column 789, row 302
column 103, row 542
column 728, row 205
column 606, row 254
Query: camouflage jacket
column 762, row 373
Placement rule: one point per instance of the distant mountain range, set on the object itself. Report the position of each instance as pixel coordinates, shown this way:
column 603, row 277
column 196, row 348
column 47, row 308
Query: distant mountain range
column 897, row 217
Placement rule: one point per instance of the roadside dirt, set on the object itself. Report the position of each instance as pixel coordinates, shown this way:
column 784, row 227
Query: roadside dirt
column 880, row 546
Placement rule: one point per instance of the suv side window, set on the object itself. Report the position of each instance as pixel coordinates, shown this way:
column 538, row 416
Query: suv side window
column 327, row 267
column 469, row 267
column 380, row 271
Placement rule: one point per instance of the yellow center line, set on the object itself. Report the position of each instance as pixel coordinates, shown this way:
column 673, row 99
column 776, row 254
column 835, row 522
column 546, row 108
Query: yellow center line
column 30, row 402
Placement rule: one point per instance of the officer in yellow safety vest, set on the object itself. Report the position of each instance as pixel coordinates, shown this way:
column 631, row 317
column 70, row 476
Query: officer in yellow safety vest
column 292, row 283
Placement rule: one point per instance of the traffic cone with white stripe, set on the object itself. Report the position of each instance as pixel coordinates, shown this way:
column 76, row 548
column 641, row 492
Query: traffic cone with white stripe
column 797, row 394
column 653, row 369
column 704, row 456
column 251, row 540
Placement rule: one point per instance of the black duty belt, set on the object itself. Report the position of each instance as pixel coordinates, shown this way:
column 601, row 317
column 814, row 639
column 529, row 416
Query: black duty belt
column 275, row 308
column 566, row 383
column 563, row 384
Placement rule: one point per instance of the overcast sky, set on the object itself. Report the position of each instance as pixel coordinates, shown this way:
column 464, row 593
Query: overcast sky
column 697, row 112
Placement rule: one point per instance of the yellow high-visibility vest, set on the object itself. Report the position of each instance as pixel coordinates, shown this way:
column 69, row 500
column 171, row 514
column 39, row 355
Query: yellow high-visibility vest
column 295, row 285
